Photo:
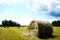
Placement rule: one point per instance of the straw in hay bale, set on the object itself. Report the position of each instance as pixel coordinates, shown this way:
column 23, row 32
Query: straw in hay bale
column 40, row 28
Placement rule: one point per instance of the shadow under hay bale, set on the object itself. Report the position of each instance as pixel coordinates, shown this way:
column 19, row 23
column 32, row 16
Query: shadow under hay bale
column 41, row 29
column 47, row 37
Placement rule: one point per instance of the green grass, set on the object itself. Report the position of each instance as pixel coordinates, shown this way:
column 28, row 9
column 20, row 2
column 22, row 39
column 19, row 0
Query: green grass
column 13, row 33
column 56, row 33
column 23, row 29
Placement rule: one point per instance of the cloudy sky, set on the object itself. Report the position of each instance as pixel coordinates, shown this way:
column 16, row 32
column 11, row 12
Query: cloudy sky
column 23, row 11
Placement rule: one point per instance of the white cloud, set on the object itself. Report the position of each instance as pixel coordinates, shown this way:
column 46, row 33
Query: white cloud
column 50, row 20
column 5, row 2
column 1, row 20
column 9, row 2
column 25, row 19
column 7, row 12
column 17, row 0
column 12, row 10
column 35, row 5
column 58, row 6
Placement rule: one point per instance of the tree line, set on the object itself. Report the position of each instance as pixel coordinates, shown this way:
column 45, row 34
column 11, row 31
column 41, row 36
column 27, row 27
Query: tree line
column 10, row 23
column 13, row 23
column 7, row 23
column 56, row 23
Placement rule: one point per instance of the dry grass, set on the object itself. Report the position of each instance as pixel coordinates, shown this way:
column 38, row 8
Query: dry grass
column 13, row 33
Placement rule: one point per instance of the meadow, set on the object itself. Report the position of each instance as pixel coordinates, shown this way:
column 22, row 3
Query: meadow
column 14, row 33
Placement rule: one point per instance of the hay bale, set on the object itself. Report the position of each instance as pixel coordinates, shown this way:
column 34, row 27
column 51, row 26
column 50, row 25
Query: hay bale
column 40, row 28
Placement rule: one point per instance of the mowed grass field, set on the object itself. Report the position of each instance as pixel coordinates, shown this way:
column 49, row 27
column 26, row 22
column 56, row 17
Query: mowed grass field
column 14, row 33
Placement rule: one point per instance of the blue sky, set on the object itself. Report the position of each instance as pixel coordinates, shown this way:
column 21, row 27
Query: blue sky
column 23, row 11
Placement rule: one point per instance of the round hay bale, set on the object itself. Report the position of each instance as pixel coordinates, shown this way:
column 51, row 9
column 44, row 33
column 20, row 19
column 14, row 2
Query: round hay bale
column 40, row 28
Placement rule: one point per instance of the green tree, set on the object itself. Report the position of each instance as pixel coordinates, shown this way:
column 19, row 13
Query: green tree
column 10, row 23
column 56, row 23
